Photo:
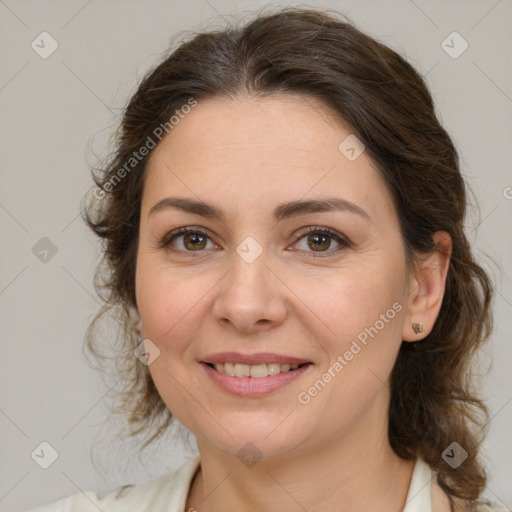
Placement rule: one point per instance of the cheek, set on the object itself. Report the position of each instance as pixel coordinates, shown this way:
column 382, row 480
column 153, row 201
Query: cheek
column 171, row 305
column 360, row 332
column 169, row 302
column 350, row 300
column 358, row 316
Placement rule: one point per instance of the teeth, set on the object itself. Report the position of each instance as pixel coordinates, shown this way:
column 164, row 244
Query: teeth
column 273, row 368
column 242, row 370
column 255, row 370
column 229, row 369
column 259, row 370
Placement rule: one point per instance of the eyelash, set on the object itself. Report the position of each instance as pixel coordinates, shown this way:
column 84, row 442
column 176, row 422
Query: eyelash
column 165, row 241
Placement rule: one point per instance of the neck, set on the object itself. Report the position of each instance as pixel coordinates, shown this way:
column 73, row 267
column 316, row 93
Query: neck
column 356, row 471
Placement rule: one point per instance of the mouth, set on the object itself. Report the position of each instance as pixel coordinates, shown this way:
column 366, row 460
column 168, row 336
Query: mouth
column 255, row 370
column 253, row 375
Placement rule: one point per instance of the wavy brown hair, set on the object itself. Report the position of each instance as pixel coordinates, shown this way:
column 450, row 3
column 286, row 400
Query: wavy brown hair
column 388, row 106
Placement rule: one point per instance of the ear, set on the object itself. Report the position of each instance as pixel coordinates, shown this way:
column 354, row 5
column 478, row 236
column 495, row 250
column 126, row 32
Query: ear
column 426, row 288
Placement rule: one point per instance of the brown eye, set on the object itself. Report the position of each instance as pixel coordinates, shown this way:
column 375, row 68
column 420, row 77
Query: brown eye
column 194, row 241
column 320, row 240
column 186, row 240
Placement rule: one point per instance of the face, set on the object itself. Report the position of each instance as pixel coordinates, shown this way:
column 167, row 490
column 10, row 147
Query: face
column 266, row 277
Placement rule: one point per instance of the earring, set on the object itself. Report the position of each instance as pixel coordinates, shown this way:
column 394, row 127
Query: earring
column 417, row 327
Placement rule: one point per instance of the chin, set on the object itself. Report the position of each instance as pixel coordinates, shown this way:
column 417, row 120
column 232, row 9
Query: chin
column 256, row 435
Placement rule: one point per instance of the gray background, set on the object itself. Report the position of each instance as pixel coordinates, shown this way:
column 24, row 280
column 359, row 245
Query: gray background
column 59, row 111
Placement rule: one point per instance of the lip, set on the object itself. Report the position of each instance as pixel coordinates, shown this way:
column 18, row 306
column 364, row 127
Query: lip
column 251, row 359
column 251, row 387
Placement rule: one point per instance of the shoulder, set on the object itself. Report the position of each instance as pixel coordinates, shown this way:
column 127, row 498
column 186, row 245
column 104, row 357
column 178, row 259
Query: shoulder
column 440, row 502
column 487, row 506
column 168, row 492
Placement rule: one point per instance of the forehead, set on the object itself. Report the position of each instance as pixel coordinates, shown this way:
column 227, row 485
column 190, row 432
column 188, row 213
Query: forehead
column 262, row 149
column 280, row 124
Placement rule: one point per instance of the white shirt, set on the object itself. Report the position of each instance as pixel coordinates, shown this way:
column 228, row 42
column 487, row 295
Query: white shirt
column 169, row 494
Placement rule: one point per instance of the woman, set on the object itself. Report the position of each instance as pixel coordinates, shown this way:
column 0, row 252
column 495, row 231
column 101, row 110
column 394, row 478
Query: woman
column 283, row 220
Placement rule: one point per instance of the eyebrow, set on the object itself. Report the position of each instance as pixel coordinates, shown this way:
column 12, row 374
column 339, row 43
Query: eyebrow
column 281, row 212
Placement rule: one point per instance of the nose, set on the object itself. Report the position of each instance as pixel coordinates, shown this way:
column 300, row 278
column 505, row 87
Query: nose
column 250, row 297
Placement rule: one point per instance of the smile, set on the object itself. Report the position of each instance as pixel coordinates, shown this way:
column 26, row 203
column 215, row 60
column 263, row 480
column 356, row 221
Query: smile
column 254, row 380
column 256, row 370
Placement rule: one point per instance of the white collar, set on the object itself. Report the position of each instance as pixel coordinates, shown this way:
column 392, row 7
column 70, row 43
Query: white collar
column 419, row 497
